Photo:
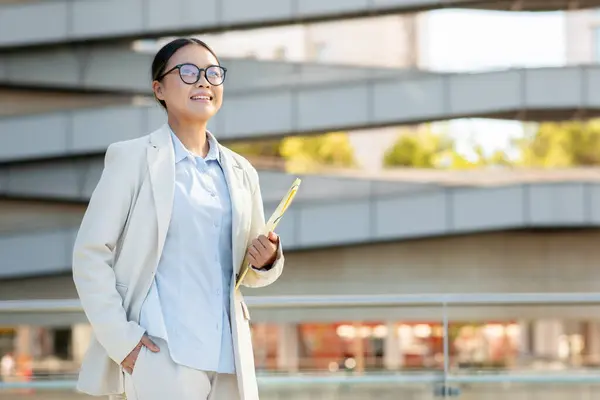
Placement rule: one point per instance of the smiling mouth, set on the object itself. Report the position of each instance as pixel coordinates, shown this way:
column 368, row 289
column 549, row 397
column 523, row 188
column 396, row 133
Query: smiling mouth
column 201, row 98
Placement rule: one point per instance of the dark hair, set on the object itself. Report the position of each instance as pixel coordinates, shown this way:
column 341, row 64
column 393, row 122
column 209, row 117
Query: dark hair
column 162, row 57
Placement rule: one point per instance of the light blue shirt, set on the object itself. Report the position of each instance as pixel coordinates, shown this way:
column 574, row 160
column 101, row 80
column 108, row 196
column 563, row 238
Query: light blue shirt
column 188, row 302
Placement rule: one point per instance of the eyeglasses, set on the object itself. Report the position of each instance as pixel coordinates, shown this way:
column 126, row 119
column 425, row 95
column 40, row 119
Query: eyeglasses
column 190, row 74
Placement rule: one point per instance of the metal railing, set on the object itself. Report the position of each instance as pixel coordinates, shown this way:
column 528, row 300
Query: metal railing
column 377, row 300
column 444, row 378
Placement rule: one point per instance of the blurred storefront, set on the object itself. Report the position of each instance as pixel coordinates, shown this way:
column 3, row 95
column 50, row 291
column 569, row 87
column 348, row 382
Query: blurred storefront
column 418, row 346
column 7, row 339
column 360, row 347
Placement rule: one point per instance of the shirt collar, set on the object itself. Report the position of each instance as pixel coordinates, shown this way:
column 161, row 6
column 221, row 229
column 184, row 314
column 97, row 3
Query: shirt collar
column 181, row 152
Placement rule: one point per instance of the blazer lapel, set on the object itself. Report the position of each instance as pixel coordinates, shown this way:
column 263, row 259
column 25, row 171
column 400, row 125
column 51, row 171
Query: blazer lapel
column 161, row 165
column 235, row 179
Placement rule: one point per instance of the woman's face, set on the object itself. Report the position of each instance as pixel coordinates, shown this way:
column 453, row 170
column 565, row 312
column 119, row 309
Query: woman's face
column 196, row 102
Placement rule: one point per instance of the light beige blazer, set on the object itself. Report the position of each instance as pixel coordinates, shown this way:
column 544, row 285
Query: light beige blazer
column 120, row 242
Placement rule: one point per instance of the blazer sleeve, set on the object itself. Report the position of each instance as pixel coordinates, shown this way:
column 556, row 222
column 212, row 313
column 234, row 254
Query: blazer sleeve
column 93, row 256
column 256, row 278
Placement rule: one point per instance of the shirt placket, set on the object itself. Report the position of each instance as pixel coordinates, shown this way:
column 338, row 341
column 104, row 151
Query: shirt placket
column 211, row 188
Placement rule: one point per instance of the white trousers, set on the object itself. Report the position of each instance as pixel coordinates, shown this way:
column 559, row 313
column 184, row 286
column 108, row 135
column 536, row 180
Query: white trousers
column 156, row 377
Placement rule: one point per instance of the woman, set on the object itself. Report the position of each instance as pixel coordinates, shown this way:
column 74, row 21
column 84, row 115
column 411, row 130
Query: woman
column 159, row 247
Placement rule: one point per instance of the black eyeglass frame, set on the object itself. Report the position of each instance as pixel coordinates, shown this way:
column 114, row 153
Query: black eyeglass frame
column 200, row 71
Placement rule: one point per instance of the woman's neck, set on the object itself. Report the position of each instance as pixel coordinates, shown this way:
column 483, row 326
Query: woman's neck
column 192, row 135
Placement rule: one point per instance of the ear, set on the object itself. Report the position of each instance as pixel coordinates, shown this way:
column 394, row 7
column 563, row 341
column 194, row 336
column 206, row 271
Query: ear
column 158, row 90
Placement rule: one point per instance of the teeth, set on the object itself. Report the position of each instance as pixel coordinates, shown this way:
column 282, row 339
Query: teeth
column 200, row 97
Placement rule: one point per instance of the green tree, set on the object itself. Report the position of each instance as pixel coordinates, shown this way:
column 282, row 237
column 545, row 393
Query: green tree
column 497, row 158
column 257, row 148
column 311, row 153
column 302, row 153
column 426, row 149
column 563, row 144
column 420, row 149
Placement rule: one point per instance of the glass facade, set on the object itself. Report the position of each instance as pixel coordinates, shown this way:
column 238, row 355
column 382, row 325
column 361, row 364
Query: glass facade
column 349, row 346
column 419, row 346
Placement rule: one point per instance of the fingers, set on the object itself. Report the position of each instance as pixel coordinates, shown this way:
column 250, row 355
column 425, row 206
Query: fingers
column 129, row 368
column 262, row 250
column 128, row 363
column 146, row 341
column 253, row 255
column 262, row 243
column 273, row 237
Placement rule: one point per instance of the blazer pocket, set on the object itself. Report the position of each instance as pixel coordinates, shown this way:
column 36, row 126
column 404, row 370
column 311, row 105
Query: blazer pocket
column 245, row 311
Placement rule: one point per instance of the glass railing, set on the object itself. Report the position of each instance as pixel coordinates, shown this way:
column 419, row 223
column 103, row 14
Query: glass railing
column 570, row 373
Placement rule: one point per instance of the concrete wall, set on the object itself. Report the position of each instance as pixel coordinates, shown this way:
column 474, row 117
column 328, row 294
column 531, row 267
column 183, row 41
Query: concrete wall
column 552, row 261
column 327, row 213
column 581, row 46
column 293, row 108
column 541, row 261
column 86, row 20
column 31, row 216
column 20, row 102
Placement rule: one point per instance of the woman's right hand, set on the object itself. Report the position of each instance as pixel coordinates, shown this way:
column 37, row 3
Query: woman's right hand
column 128, row 363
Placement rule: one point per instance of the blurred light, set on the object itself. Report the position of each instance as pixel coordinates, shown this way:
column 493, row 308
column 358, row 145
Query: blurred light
column 333, row 366
column 350, row 363
column 422, row 330
column 405, row 332
column 380, row 331
column 513, row 330
column 563, row 346
column 364, row 331
column 577, row 344
column 467, row 330
column 494, row 330
column 346, row 331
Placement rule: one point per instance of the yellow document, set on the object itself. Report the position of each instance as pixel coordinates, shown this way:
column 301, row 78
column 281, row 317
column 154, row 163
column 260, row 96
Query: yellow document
column 270, row 226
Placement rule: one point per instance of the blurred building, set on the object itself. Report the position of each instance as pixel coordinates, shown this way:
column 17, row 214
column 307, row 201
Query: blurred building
column 71, row 87
column 582, row 29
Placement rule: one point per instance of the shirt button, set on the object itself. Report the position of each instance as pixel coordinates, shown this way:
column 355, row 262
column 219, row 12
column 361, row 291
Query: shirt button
column 218, row 291
column 212, row 194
